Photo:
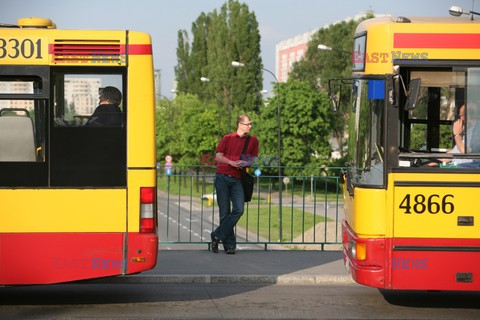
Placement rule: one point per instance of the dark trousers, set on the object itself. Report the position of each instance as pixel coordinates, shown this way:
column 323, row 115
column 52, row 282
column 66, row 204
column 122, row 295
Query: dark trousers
column 229, row 189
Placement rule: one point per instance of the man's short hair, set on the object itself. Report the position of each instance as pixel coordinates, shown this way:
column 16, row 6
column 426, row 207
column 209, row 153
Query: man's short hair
column 111, row 94
column 242, row 117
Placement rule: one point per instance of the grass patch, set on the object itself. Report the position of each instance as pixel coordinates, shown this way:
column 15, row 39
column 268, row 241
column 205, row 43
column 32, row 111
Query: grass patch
column 265, row 222
column 185, row 185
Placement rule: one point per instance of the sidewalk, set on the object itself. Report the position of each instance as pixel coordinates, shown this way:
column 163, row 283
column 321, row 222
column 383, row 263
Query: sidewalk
column 246, row 267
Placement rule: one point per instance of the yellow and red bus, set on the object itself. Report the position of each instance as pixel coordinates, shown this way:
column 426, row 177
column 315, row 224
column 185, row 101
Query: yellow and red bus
column 411, row 216
column 76, row 201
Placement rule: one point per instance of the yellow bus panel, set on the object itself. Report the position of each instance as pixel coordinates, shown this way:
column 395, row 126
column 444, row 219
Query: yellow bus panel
column 63, row 47
column 382, row 50
column 141, row 102
column 430, row 206
column 368, row 217
column 63, row 210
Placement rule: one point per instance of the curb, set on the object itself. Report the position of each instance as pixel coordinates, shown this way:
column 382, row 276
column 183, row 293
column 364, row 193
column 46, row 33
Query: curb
column 229, row 279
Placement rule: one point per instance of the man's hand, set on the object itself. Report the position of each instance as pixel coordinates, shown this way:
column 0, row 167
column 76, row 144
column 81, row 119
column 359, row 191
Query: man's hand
column 238, row 164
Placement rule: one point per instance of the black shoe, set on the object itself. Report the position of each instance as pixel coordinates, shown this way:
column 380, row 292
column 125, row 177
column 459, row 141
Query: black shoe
column 215, row 242
column 230, row 251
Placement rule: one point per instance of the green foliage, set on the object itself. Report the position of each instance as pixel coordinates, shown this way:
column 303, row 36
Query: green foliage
column 183, row 71
column 219, row 38
column 189, row 126
column 305, row 125
column 319, row 66
column 186, row 129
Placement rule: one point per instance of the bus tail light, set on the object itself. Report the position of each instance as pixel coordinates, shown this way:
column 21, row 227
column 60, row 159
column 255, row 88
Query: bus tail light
column 358, row 250
column 361, row 250
column 147, row 210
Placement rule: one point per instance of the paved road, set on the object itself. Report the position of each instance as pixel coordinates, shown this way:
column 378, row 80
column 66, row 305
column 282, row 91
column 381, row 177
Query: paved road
column 185, row 221
column 190, row 222
column 153, row 301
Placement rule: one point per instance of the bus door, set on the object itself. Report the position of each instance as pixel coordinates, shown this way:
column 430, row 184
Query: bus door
column 435, row 215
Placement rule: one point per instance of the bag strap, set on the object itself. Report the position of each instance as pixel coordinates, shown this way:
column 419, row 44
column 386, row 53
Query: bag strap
column 245, row 145
column 245, row 150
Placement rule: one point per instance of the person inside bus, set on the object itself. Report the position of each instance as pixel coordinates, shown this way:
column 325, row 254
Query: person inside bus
column 108, row 112
column 472, row 133
column 459, row 133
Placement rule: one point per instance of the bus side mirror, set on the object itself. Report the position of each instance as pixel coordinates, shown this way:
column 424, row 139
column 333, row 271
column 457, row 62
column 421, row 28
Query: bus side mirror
column 334, row 94
column 393, row 93
column 334, row 102
column 413, row 91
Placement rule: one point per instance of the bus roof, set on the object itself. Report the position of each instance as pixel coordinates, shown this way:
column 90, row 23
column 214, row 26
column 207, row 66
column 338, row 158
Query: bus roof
column 367, row 24
column 418, row 41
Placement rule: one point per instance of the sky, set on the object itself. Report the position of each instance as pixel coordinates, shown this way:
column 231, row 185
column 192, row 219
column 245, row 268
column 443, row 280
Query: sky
column 278, row 19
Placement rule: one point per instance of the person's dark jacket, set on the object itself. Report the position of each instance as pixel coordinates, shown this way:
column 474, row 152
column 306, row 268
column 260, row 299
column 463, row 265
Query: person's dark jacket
column 106, row 115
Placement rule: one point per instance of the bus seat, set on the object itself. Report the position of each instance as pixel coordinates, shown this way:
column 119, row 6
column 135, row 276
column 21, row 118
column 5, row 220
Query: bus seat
column 17, row 139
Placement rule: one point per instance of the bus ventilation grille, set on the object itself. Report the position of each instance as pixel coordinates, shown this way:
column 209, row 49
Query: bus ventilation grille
column 83, row 51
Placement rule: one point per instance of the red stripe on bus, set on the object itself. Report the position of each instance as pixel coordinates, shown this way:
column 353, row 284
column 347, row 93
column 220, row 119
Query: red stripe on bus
column 137, row 49
column 414, row 263
column 43, row 258
column 437, row 40
column 435, row 264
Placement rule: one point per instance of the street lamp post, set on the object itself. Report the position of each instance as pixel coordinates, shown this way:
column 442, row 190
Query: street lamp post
column 237, row 64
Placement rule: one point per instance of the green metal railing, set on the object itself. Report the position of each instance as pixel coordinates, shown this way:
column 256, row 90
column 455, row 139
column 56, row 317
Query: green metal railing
column 311, row 211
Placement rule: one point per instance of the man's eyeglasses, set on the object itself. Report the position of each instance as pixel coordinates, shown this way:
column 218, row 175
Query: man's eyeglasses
column 247, row 124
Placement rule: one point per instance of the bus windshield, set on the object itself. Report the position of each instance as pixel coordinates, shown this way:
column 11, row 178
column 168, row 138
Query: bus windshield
column 367, row 131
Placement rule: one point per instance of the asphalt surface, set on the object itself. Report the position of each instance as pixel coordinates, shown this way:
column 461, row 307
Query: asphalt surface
column 245, row 267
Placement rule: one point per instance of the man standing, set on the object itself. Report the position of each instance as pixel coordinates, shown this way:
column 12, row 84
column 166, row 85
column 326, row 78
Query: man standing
column 108, row 113
column 228, row 183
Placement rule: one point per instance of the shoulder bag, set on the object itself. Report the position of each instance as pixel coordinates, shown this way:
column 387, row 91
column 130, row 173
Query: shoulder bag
column 247, row 179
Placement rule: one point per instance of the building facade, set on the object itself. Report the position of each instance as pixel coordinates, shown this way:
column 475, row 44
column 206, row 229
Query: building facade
column 291, row 50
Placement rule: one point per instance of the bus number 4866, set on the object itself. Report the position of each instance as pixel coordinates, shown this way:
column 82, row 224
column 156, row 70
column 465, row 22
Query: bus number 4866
column 433, row 204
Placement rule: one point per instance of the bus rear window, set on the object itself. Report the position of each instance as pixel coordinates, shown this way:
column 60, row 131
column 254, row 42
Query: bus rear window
column 88, row 135
column 78, row 96
column 16, row 87
column 22, row 131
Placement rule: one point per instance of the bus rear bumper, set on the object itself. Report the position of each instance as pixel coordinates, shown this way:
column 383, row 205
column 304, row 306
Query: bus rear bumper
column 142, row 252
column 46, row 258
column 412, row 263
column 368, row 269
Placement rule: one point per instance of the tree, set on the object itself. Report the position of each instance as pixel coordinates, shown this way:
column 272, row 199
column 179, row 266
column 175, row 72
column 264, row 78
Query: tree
column 183, row 70
column 186, row 129
column 305, row 125
column 167, row 126
column 319, row 66
column 199, row 59
column 219, row 38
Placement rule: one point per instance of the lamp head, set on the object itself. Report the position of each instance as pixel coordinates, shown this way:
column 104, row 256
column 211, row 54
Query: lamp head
column 324, row 47
column 237, row 64
column 457, row 11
